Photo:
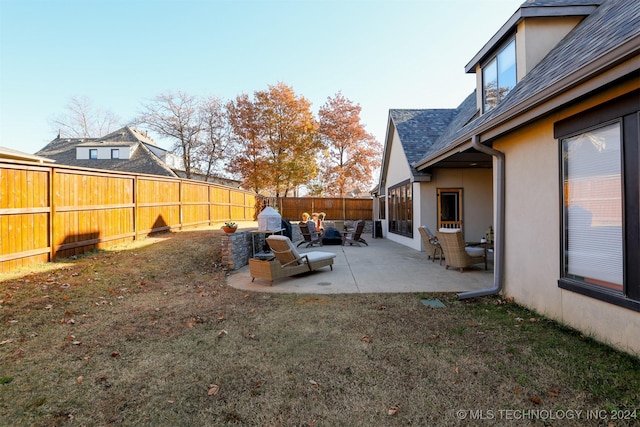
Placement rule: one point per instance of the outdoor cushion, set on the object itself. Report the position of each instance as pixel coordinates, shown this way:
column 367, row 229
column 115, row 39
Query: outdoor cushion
column 316, row 256
column 449, row 230
column 474, row 251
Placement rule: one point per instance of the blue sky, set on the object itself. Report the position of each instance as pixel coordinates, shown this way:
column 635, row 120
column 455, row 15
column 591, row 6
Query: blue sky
column 380, row 54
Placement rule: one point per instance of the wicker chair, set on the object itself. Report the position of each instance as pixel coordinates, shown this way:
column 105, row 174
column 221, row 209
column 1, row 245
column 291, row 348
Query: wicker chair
column 355, row 236
column 457, row 255
column 431, row 245
column 288, row 261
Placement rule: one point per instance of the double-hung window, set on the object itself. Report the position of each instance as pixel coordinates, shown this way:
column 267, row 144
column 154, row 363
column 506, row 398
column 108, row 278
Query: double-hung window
column 600, row 214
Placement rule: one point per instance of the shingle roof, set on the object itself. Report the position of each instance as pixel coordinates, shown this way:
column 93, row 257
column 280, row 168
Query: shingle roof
column 466, row 112
column 419, row 129
column 63, row 151
column 609, row 26
column 559, row 3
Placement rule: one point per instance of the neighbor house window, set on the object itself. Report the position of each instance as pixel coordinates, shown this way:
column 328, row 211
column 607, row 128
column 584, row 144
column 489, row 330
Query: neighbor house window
column 115, row 153
column 93, row 153
column 400, row 200
column 499, row 76
column 600, row 227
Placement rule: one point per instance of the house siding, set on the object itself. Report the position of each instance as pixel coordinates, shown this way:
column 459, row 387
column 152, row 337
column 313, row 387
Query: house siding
column 532, row 234
column 399, row 172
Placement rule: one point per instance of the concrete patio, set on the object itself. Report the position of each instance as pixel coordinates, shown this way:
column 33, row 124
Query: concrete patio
column 383, row 266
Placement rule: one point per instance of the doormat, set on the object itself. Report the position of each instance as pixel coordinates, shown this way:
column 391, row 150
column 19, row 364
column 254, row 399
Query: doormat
column 433, row 303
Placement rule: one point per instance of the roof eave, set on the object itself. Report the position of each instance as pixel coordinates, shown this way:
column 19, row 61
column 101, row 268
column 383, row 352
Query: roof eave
column 616, row 64
column 524, row 12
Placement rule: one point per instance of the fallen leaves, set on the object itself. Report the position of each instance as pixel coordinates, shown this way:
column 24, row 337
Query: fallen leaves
column 213, row 389
column 393, row 410
column 535, row 400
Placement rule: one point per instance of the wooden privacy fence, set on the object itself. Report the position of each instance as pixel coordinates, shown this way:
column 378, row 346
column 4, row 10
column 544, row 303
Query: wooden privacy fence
column 336, row 208
column 49, row 212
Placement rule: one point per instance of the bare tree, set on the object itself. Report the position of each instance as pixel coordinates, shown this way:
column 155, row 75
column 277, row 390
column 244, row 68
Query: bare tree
column 215, row 136
column 177, row 117
column 83, row 120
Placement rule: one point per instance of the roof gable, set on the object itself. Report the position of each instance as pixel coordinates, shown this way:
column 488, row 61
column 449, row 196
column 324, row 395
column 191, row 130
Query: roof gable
column 419, row 129
column 614, row 24
column 532, row 9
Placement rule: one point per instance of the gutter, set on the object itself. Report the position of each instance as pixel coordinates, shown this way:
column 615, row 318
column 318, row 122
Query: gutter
column 498, row 254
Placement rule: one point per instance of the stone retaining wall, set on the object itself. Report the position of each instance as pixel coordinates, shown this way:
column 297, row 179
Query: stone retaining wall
column 236, row 248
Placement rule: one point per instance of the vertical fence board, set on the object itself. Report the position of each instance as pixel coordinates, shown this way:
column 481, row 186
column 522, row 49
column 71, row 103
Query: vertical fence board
column 51, row 212
column 335, row 208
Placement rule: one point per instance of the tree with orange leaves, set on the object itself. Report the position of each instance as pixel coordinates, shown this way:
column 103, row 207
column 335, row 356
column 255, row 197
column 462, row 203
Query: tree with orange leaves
column 277, row 137
column 351, row 154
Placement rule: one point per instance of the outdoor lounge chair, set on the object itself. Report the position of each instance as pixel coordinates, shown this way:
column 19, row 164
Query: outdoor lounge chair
column 431, row 245
column 309, row 234
column 355, row 236
column 456, row 254
column 288, row 261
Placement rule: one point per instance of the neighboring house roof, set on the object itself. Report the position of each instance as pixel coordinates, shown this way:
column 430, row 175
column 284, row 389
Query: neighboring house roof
column 10, row 154
column 604, row 39
column 142, row 160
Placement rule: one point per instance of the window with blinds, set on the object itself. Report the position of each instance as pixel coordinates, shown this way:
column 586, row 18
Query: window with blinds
column 593, row 207
column 600, row 212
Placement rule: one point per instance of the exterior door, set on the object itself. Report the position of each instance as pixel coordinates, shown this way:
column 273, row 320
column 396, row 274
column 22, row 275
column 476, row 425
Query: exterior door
column 450, row 208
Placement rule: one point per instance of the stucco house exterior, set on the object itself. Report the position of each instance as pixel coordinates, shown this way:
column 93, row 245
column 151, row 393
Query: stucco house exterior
column 549, row 156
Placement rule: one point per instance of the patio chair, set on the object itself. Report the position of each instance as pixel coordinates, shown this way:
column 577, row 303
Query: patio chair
column 456, row 254
column 288, row 261
column 431, row 244
column 355, row 236
column 309, row 234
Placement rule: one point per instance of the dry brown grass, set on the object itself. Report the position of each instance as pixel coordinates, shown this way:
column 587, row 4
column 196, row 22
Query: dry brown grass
column 150, row 335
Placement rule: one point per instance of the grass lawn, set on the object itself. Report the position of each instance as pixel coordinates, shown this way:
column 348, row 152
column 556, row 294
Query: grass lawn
column 149, row 334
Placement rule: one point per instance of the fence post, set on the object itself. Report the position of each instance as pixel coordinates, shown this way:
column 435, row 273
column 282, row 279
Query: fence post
column 344, row 209
column 52, row 213
column 136, row 226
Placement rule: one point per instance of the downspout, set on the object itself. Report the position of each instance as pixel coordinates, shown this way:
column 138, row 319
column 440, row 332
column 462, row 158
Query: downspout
column 498, row 254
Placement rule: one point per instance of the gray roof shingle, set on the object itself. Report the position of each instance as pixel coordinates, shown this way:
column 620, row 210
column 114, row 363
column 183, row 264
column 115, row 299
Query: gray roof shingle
column 63, row 151
column 612, row 24
column 419, row 129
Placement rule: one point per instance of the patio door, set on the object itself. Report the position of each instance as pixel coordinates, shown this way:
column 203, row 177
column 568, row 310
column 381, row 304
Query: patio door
column 450, row 208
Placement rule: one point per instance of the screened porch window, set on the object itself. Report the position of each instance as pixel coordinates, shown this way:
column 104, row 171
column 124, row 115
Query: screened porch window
column 400, row 201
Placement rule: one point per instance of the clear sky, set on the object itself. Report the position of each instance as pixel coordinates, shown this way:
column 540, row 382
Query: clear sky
column 381, row 54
